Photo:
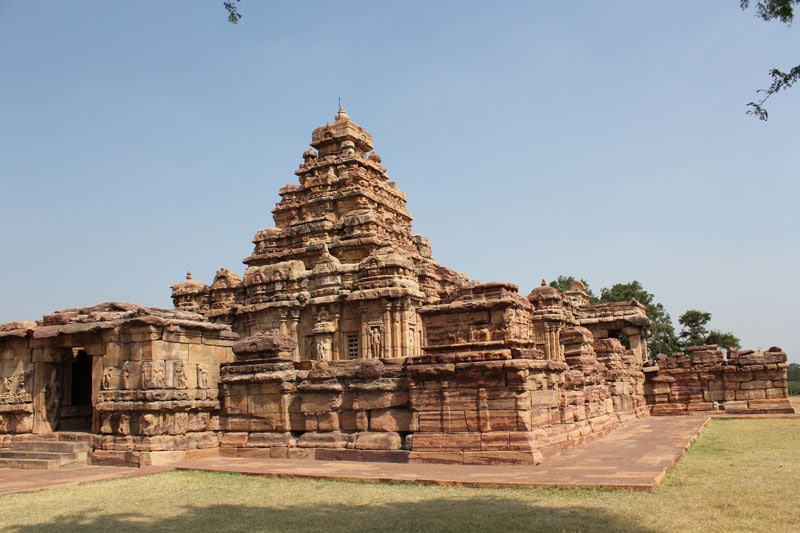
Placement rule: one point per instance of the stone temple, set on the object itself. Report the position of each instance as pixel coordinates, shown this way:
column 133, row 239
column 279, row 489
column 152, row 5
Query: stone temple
column 345, row 339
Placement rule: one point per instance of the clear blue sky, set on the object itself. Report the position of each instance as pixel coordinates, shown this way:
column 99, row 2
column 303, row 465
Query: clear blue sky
column 606, row 140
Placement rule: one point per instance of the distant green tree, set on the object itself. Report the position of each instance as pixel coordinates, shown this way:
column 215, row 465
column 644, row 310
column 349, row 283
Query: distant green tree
column 564, row 283
column 695, row 332
column 794, row 378
column 662, row 339
column 723, row 338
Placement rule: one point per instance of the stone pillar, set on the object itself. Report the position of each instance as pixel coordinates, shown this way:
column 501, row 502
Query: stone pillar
column 336, row 342
column 295, row 318
column 638, row 341
column 387, row 331
column 404, row 347
column 282, row 328
column 552, row 346
column 396, row 330
column 363, row 350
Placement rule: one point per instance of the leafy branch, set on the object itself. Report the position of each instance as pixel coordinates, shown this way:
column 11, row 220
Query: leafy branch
column 767, row 10
column 233, row 14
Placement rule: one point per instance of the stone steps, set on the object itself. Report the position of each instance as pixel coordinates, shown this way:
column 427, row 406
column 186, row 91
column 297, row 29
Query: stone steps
column 53, row 450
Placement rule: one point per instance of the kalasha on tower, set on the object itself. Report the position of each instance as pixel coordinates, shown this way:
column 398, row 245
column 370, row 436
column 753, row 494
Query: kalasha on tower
column 341, row 271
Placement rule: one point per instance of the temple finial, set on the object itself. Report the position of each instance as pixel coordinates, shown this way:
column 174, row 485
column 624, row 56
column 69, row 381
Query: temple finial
column 342, row 114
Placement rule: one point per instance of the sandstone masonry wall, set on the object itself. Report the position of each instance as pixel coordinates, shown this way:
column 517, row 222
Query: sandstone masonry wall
column 705, row 379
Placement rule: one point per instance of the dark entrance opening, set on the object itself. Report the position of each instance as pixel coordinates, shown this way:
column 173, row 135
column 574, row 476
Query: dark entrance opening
column 76, row 403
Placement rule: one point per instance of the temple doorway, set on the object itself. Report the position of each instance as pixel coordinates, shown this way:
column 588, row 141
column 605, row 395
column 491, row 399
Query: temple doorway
column 76, row 393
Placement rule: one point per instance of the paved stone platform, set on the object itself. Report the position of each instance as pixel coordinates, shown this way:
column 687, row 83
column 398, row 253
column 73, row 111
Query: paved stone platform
column 13, row 480
column 636, row 456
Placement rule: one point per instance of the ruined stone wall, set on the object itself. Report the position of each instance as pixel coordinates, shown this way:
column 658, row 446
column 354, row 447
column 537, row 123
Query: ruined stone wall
column 706, row 379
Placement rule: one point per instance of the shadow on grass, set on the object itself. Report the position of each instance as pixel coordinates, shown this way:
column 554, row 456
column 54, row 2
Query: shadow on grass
column 460, row 515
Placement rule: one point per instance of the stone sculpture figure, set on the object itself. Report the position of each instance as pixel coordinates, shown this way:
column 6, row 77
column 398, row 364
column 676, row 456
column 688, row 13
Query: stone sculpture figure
column 158, row 375
column 376, row 343
column 202, row 376
column 179, row 375
column 107, row 375
column 125, row 376
column 324, row 349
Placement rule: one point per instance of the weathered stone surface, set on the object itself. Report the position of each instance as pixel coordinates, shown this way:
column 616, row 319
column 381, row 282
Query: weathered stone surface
column 344, row 339
column 708, row 381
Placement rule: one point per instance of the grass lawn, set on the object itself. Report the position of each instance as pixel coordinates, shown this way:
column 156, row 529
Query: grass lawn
column 740, row 475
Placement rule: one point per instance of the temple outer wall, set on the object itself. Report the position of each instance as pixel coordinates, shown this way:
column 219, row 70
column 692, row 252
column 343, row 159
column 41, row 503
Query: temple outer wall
column 472, row 408
column 705, row 379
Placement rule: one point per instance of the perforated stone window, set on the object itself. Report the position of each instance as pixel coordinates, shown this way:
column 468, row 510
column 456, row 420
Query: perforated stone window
column 352, row 346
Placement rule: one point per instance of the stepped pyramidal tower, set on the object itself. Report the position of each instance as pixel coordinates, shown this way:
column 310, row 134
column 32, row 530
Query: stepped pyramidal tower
column 341, row 270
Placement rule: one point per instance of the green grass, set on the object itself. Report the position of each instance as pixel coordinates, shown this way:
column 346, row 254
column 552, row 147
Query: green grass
column 740, row 475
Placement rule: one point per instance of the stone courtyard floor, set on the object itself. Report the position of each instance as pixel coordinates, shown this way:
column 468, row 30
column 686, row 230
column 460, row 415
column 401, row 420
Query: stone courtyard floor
column 636, row 456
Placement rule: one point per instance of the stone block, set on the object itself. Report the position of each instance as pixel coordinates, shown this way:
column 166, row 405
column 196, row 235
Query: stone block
column 446, row 441
column 775, row 393
column 714, row 395
column 267, row 440
column 403, row 420
column 115, row 458
column 233, row 440
column 445, row 457
column 755, row 394
column 319, row 403
column 300, row 453
column 669, row 409
column 328, row 422
column 384, row 456
column 378, row 440
column 162, row 457
column 231, row 423
column 756, row 384
column 738, row 376
column 333, row 439
column 430, row 421
column 774, row 403
column 502, row 457
column 734, row 405
column 379, row 400
column 337, row 454
column 495, row 440
column 354, row 420
column 270, row 422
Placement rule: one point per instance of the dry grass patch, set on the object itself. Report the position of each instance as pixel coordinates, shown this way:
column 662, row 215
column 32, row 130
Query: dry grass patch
column 741, row 475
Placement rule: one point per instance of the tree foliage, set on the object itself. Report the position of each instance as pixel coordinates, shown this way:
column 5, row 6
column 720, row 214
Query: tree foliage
column 233, row 14
column 767, row 10
column 695, row 332
column 662, row 339
column 564, row 283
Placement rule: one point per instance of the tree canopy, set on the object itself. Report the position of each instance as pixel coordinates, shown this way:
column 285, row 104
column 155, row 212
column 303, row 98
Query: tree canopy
column 767, row 10
column 695, row 332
